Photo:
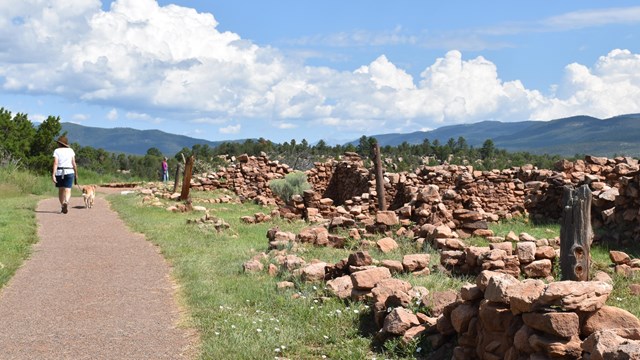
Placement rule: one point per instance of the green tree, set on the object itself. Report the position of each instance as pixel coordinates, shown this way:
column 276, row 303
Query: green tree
column 320, row 147
column 154, row 151
column 40, row 154
column 488, row 150
column 18, row 133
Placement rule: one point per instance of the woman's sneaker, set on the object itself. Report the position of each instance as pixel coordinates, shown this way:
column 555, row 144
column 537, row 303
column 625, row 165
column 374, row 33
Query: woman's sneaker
column 64, row 208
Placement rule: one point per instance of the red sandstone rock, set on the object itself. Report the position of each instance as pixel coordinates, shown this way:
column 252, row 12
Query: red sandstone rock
column 523, row 296
column 557, row 348
column 608, row 318
column 252, row 266
column 387, row 245
column 607, row 344
column 538, row 269
column 393, row 265
column 619, row 257
column 388, row 218
column 561, row 324
column 415, row 262
column 360, row 258
column 576, row 295
column 437, row 301
column 314, row 272
column 399, row 321
column 498, row 288
column 526, row 251
column 462, row 315
column 367, row 279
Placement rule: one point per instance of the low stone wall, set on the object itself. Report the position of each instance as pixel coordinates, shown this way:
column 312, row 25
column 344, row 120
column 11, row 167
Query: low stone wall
column 500, row 317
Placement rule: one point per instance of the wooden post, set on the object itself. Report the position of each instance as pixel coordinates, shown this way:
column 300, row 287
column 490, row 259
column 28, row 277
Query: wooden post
column 186, row 179
column 176, row 179
column 379, row 177
column 576, row 234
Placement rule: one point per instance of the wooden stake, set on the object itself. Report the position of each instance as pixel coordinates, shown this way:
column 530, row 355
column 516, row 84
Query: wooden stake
column 576, row 234
column 176, row 178
column 379, row 177
column 186, row 182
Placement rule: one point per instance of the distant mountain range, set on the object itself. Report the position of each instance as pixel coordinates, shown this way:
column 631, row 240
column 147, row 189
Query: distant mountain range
column 131, row 141
column 618, row 135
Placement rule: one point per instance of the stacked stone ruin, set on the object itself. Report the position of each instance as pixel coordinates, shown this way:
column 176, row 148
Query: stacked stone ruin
column 442, row 194
column 248, row 177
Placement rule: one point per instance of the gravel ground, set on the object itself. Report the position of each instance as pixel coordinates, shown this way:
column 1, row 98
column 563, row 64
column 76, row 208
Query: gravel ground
column 91, row 290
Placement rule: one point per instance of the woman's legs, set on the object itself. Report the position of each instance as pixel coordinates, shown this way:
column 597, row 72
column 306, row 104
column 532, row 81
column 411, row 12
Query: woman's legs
column 61, row 195
column 64, row 184
column 67, row 195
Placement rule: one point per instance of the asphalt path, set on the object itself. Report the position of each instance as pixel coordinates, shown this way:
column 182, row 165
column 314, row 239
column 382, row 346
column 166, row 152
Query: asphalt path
column 91, row 289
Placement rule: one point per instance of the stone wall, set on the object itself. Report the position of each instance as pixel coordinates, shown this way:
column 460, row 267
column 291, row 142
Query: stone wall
column 248, row 177
column 440, row 194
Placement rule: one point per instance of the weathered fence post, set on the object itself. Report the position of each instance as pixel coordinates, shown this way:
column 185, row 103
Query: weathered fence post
column 176, row 179
column 576, row 234
column 379, row 177
column 186, row 179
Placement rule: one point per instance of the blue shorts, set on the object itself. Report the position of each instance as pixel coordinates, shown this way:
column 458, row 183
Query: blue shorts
column 65, row 181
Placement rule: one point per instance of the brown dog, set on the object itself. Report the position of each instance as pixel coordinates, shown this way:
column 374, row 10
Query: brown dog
column 89, row 194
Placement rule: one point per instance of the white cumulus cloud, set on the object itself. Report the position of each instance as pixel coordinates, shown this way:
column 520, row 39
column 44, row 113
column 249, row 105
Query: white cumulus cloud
column 112, row 115
column 231, row 129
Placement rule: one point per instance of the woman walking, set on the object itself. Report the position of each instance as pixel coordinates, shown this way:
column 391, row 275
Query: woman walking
column 64, row 171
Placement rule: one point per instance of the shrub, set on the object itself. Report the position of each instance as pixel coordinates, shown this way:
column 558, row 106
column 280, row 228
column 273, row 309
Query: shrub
column 294, row 183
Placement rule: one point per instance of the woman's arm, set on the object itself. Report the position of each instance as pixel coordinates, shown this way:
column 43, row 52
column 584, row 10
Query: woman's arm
column 55, row 167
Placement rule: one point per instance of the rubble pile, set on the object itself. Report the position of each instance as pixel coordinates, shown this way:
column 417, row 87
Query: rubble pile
column 514, row 255
column 497, row 317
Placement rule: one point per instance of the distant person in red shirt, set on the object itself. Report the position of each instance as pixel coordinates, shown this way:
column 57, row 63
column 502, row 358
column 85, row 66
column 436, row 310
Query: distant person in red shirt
column 165, row 170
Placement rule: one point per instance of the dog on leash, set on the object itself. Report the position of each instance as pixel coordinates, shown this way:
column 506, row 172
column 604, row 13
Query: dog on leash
column 88, row 194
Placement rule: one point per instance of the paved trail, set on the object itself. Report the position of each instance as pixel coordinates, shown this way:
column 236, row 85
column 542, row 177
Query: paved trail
column 91, row 290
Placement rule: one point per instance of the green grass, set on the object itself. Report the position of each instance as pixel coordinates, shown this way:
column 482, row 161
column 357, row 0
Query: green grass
column 522, row 224
column 19, row 232
column 88, row 177
column 20, row 192
column 15, row 182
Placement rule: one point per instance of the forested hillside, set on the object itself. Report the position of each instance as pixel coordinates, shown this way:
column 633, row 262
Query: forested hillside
column 29, row 145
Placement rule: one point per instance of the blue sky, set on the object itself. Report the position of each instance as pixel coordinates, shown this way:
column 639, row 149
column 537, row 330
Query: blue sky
column 332, row 70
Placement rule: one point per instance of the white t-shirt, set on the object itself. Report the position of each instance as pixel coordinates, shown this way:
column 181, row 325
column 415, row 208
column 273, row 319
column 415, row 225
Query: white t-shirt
column 64, row 156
